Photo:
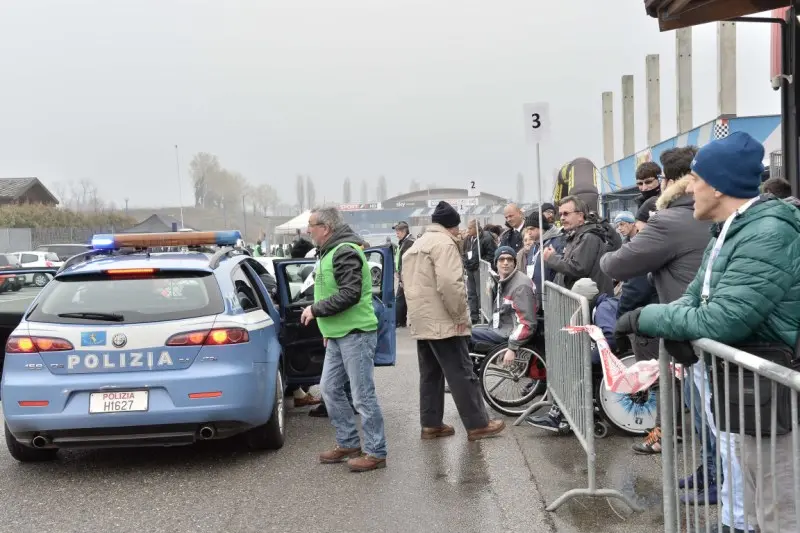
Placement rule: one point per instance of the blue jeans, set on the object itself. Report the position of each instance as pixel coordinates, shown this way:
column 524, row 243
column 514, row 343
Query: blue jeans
column 352, row 358
column 487, row 334
column 710, row 451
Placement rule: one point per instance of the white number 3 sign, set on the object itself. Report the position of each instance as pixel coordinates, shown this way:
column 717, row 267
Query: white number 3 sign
column 537, row 122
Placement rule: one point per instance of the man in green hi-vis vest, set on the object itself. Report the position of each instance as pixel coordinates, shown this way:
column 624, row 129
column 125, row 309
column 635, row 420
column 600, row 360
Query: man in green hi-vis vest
column 404, row 242
column 346, row 318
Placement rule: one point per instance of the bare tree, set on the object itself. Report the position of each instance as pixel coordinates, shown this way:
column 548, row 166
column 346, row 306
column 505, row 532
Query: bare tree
column 346, row 191
column 520, row 187
column 202, row 168
column 382, row 194
column 364, row 193
column 414, row 186
column 300, row 188
column 311, row 192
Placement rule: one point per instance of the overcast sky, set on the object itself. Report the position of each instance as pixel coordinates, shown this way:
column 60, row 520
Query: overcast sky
column 430, row 90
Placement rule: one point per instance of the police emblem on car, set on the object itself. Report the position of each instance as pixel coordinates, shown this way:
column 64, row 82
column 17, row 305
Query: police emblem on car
column 119, row 340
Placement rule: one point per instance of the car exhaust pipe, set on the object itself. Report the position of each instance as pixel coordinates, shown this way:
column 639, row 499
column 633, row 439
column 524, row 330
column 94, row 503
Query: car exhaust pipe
column 40, row 441
column 207, row 432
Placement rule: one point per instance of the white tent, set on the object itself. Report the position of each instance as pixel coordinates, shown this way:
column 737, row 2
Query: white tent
column 300, row 222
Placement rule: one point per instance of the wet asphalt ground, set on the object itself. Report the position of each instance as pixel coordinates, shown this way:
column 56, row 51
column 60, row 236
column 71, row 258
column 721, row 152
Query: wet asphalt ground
column 496, row 485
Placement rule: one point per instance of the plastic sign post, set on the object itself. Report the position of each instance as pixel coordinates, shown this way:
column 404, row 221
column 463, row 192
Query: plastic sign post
column 537, row 122
column 473, row 189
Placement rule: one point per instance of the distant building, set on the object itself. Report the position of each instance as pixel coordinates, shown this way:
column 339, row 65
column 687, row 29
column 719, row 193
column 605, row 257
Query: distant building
column 155, row 224
column 14, row 191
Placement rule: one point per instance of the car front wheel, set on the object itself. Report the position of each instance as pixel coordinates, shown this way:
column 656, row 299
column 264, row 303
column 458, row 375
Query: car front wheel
column 271, row 435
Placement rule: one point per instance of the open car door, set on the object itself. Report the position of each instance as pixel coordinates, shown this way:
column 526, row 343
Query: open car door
column 302, row 345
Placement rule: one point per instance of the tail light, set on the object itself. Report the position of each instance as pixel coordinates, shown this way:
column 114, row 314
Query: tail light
column 24, row 344
column 48, row 263
column 210, row 337
column 130, row 271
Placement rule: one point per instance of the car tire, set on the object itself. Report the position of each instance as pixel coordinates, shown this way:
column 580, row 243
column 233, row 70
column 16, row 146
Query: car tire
column 26, row 454
column 271, row 435
column 40, row 280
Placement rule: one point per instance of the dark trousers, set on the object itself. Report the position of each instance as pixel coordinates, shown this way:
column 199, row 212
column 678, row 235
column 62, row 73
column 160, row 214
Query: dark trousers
column 449, row 359
column 402, row 309
column 474, row 294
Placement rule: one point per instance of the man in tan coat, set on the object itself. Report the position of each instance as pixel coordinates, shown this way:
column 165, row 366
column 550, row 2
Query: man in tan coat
column 438, row 318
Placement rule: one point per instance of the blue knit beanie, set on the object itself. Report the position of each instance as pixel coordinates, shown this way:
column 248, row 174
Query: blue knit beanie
column 732, row 165
column 505, row 250
column 624, row 216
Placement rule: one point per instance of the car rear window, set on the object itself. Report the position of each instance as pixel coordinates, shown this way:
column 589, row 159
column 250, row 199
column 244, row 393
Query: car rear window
column 134, row 300
column 64, row 250
column 50, row 256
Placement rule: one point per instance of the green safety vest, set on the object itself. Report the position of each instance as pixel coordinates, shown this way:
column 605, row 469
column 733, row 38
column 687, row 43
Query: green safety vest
column 359, row 317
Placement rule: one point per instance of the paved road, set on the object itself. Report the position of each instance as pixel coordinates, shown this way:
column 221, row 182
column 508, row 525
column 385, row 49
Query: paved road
column 498, row 485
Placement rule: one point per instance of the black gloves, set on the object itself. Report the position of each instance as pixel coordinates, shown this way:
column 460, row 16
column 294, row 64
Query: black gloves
column 681, row 351
column 626, row 325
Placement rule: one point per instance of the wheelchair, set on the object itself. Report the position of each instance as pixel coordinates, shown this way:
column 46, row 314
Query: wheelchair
column 510, row 389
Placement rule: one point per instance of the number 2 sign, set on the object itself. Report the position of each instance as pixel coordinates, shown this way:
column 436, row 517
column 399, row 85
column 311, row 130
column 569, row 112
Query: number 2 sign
column 537, row 122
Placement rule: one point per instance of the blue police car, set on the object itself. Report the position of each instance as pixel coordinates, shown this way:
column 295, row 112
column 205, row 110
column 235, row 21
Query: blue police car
column 129, row 346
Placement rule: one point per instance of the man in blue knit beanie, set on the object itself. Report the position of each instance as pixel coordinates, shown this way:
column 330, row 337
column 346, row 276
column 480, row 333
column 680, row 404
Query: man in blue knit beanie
column 746, row 295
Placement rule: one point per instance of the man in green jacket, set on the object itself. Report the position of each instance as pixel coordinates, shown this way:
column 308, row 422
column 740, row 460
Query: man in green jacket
column 747, row 290
column 346, row 318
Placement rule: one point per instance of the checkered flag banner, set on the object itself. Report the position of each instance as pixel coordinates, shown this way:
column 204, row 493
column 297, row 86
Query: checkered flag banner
column 721, row 129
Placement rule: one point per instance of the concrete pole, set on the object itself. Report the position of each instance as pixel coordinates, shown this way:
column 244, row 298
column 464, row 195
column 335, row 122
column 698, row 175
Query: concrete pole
column 653, row 67
column 683, row 69
column 628, row 134
column 608, row 127
column 726, row 68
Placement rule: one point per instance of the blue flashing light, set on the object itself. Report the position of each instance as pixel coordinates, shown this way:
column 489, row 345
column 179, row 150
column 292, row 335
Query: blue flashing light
column 105, row 241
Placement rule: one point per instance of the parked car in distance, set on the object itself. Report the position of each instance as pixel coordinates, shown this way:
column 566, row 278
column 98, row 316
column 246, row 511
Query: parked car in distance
column 64, row 251
column 10, row 281
column 37, row 259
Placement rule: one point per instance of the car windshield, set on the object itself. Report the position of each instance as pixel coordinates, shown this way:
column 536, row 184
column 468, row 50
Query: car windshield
column 156, row 298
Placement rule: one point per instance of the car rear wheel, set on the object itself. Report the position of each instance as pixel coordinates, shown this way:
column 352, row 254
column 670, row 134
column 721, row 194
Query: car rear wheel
column 26, row 454
column 271, row 435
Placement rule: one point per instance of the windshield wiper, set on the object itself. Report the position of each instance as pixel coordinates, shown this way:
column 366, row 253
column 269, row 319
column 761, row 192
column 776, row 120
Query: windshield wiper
column 112, row 317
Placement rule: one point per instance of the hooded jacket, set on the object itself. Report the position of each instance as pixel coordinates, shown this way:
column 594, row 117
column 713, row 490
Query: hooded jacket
column 754, row 288
column 583, row 248
column 433, row 281
column 516, row 308
column 488, row 248
column 552, row 237
column 346, row 271
column 670, row 246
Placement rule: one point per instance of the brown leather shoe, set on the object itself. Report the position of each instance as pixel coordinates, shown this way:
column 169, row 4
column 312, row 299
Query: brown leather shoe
column 365, row 463
column 434, row 433
column 338, row 455
column 491, row 430
column 306, row 400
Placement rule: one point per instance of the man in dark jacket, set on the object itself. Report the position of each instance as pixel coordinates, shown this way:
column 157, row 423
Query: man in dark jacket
column 404, row 242
column 585, row 243
column 746, row 291
column 476, row 237
column 515, row 223
column 346, row 318
column 669, row 248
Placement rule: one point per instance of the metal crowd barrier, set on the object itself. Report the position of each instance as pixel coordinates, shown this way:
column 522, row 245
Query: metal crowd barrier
column 755, row 450
column 486, row 283
column 569, row 381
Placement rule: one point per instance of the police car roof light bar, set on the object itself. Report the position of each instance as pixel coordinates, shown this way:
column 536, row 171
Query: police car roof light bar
column 151, row 240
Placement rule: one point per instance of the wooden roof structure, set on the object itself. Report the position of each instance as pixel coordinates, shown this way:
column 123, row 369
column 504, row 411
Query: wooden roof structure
column 675, row 14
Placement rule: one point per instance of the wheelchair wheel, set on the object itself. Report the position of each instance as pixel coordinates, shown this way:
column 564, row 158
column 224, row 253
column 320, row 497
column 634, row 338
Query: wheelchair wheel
column 634, row 414
column 509, row 390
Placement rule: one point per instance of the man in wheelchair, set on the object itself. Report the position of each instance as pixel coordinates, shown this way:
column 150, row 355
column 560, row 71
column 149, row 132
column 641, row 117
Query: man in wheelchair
column 514, row 317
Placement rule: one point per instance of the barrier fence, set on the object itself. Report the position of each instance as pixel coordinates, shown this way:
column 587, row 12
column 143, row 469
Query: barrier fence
column 569, row 381
column 739, row 439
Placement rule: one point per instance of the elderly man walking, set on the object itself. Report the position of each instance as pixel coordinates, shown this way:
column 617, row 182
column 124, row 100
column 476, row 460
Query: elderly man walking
column 345, row 316
column 438, row 318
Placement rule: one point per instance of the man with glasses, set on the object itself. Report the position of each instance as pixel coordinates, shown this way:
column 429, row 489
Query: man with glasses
column 585, row 243
column 647, row 176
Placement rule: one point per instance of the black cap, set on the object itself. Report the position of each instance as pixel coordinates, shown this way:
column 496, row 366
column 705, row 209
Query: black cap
column 401, row 225
column 548, row 207
column 446, row 215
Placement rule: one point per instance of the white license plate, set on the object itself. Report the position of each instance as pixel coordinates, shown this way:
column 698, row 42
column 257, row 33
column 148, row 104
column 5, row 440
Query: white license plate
column 118, row 401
